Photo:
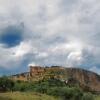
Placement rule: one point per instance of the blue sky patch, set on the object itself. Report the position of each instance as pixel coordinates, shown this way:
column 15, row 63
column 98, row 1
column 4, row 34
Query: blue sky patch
column 11, row 37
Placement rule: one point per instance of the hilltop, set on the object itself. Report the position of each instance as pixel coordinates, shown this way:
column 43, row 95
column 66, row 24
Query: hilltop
column 83, row 78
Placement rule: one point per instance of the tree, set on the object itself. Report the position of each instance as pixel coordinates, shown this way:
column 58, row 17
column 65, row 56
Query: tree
column 6, row 84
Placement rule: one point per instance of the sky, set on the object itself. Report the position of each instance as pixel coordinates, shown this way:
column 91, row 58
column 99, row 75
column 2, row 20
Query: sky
column 49, row 32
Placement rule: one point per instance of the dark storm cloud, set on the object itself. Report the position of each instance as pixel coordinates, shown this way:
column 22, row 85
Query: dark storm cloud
column 11, row 36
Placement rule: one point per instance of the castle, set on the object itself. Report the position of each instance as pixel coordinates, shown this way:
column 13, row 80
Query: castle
column 36, row 72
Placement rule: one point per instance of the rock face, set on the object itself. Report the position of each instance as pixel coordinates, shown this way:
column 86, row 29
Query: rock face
column 86, row 78
column 83, row 77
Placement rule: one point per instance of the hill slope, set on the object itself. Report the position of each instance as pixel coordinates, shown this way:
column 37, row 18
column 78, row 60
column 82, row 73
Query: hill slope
column 83, row 77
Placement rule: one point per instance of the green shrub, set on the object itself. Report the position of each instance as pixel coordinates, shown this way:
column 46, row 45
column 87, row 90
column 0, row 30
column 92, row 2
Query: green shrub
column 21, row 86
column 66, row 93
column 87, row 96
column 70, row 93
column 6, row 84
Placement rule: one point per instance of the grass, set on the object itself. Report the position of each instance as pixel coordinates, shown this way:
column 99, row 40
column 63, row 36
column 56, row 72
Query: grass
column 30, row 96
column 25, row 96
column 97, row 97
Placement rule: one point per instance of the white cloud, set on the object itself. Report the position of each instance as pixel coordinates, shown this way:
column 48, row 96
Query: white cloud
column 22, row 49
column 42, row 55
column 13, row 56
column 95, row 69
column 32, row 64
column 7, row 59
column 74, row 59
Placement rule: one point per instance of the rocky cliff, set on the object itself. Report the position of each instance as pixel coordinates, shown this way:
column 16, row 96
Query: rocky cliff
column 86, row 78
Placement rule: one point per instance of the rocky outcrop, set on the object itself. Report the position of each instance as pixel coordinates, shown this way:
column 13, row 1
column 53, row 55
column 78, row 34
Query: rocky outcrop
column 86, row 78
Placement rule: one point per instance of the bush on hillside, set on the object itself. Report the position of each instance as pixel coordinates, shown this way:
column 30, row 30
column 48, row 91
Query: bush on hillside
column 70, row 93
column 22, row 86
column 87, row 96
column 39, row 86
column 66, row 93
column 6, row 84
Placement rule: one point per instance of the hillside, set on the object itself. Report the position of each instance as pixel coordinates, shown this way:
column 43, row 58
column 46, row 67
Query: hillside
column 84, row 78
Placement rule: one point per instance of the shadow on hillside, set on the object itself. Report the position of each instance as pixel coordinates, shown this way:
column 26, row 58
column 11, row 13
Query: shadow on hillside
column 5, row 98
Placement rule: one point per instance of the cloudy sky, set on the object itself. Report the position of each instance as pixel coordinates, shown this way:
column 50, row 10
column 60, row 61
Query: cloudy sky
column 49, row 32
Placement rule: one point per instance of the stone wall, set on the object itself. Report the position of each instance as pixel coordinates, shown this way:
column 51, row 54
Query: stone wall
column 22, row 76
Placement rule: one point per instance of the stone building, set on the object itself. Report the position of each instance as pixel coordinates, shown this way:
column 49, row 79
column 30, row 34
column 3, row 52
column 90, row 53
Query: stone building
column 22, row 76
column 35, row 72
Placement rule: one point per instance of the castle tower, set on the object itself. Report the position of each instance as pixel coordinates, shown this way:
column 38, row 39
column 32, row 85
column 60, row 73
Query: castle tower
column 34, row 70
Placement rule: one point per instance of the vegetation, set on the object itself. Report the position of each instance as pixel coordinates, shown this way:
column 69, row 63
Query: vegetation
column 6, row 84
column 52, row 87
column 97, row 97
